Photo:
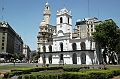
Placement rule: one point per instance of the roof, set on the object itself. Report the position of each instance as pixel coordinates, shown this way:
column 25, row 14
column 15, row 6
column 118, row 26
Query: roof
column 81, row 22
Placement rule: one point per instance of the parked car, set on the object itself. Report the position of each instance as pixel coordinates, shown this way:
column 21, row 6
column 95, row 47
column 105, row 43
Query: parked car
column 17, row 61
column 24, row 61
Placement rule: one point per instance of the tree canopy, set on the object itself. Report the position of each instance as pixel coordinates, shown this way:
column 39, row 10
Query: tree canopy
column 108, row 35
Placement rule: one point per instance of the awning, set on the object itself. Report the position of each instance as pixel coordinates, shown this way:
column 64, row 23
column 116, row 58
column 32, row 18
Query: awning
column 4, row 53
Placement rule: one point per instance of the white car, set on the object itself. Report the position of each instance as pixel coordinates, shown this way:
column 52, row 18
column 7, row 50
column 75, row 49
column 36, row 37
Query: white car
column 17, row 61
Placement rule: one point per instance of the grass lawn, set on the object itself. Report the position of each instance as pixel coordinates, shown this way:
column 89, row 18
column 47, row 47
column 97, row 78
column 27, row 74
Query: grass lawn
column 59, row 71
column 14, row 67
column 1, row 77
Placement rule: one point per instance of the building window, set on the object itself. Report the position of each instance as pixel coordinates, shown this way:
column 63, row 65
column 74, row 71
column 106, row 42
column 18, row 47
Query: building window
column 68, row 20
column 2, row 40
column 47, row 7
column 91, row 26
column 3, row 29
column 61, row 20
column 50, row 48
column 83, row 46
column 2, row 44
column 3, row 33
column 61, row 46
column 74, row 46
column 88, row 26
column 61, row 56
column 91, row 30
column 3, row 37
column 2, row 48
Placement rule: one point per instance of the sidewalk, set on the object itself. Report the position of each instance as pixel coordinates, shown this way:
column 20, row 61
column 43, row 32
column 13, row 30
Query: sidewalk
column 2, row 64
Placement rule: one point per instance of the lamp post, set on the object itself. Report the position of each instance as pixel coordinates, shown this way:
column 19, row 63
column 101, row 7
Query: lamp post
column 43, row 57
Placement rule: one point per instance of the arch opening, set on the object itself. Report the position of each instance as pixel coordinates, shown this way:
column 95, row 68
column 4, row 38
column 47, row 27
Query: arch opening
column 74, row 58
column 61, row 20
column 50, row 59
column 74, row 46
column 83, row 46
column 61, row 46
column 50, row 48
column 83, row 58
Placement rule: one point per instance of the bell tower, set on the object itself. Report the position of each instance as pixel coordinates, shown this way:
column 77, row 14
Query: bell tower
column 64, row 22
column 47, row 13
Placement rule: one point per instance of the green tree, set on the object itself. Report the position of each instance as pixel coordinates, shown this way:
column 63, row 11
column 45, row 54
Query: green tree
column 15, row 56
column 21, row 56
column 107, row 34
column 33, row 55
column 117, row 49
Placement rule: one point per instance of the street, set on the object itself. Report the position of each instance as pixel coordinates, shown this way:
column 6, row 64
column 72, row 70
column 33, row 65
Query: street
column 34, row 64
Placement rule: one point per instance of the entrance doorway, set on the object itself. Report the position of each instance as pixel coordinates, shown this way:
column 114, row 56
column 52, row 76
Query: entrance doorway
column 83, row 58
column 50, row 59
column 74, row 57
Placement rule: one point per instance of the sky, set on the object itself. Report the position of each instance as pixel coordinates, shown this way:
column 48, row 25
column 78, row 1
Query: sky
column 24, row 16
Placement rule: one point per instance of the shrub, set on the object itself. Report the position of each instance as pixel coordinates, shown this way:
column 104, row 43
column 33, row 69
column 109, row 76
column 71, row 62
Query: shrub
column 98, row 75
column 6, row 75
column 26, row 71
column 86, row 67
column 75, row 69
column 53, row 68
column 26, row 77
column 75, row 75
column 32, row 77
column 17, row 72
column 11, row 75
column 115, row 71
column 20, row 77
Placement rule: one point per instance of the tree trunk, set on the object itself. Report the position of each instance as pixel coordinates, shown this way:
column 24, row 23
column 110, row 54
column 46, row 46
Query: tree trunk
column 104, row 55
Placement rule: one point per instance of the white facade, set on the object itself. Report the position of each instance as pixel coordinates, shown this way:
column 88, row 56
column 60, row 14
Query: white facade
column 26, row 51
column 64, row 22
column 47, row 13
column 64, row 48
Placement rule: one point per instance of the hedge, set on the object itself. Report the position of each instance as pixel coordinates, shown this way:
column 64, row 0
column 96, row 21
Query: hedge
column 11, row 74
column 28, row 71
column 71, row 73
column 73, row 68
column 37, row 69
column 93, row 74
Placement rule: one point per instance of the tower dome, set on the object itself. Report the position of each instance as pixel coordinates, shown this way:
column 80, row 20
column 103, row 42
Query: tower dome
column 43, row 23
column 64, row 10
column 47, row 4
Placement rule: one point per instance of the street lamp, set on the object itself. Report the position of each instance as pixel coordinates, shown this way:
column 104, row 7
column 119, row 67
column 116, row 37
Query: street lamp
column 44, row 36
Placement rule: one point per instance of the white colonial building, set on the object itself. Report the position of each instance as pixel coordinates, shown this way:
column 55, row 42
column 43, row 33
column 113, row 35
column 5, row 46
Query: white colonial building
column 63, row 47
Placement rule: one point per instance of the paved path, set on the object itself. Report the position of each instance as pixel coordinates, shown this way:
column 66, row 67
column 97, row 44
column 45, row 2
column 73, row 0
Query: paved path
column 15, row 77
column 117, row 77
